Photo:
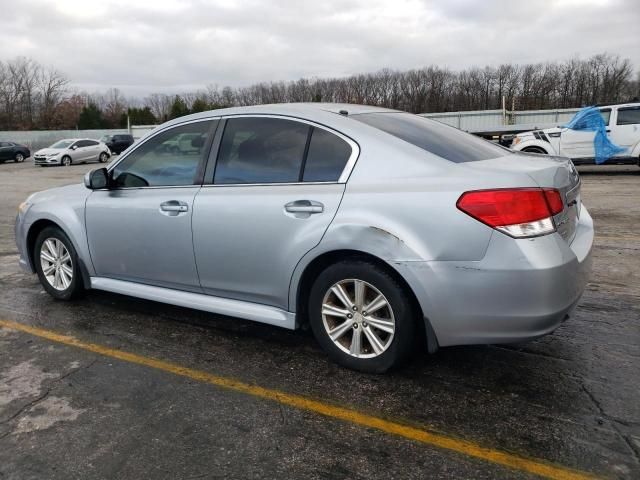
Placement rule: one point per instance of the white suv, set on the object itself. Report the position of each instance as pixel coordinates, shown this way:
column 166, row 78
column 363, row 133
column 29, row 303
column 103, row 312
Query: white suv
column 623, row 129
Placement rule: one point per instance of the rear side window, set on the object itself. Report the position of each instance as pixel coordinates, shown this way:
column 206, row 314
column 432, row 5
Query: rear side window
column 434, row 137
column 90, row 143
column 261, row 150
column 327, row 156
column 628, row 116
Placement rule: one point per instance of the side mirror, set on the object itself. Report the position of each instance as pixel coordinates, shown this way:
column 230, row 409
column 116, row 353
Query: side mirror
column 96, row 179
column 75, row 147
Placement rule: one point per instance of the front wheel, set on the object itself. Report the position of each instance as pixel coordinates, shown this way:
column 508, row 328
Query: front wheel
column 538, row 150
column 56, row 263
column 19, row 158
column 66, row 161
column 361, row 316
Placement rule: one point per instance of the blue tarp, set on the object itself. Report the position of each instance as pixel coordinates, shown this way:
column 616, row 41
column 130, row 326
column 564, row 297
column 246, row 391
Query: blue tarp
column 590, row 119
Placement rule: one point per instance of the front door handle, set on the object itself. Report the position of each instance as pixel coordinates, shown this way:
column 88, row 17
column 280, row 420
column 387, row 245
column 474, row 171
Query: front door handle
column 304, row 206
column 174, row 207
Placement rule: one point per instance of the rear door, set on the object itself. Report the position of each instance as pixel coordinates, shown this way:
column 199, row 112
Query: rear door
column 93, row 150
column 267, row 200
column 6, row 151
column 626, row 132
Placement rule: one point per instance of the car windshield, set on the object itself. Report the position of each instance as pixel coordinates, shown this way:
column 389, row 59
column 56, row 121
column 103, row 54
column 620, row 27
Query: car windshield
column 62, row 144
column 434, row 137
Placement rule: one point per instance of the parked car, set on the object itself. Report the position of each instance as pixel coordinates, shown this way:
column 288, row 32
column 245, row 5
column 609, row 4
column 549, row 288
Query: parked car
column 118, row 143
column 13, row 151
column 73, row 150
column 623, row 129
column 375, row 227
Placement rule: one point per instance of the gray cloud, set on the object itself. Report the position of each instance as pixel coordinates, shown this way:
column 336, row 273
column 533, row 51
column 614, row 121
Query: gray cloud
column 171, row 45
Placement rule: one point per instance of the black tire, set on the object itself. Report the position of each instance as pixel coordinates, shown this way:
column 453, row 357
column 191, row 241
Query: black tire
column 402, row 343
column 538, row 150
column 19, row 158
column 76, row 286
column 66, row 161
column 103, row 157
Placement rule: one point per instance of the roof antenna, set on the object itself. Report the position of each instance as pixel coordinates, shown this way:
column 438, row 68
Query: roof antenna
column 343, row 112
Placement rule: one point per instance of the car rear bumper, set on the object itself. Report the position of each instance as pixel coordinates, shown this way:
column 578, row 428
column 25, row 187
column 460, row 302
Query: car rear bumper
column 521, row 290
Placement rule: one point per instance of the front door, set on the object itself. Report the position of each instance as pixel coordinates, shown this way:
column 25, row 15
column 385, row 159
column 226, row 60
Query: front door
column 140, row 229
column 274, row 193
column 578, row 143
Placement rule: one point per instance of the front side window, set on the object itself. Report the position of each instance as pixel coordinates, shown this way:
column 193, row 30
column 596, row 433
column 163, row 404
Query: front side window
column 628, row 116
column 170, row 158
column 605, row 113
column 261, row 150
column 434, row 137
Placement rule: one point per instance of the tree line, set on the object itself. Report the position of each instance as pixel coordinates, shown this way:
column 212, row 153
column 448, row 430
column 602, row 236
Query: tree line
column 33, row 96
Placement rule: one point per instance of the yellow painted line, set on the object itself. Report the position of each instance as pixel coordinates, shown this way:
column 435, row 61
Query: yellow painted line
column 516, row 462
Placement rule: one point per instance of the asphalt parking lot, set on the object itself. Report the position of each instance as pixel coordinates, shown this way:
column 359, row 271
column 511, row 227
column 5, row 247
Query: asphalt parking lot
column 114, row 387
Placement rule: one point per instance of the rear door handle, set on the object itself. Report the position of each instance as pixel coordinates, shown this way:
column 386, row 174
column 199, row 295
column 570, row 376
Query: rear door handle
column 304, row 206
column 174, row 207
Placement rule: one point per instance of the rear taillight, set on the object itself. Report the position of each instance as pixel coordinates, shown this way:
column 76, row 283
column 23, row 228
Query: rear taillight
column 518, row 212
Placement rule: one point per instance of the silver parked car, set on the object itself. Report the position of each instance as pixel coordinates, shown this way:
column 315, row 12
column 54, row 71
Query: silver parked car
column 375, row 227
column 73, row 150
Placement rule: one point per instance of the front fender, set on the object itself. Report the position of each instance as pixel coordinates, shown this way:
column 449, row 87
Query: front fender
column 65, row 208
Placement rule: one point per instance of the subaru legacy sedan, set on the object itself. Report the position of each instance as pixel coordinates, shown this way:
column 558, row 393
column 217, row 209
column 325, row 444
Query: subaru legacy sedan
column 374, row 227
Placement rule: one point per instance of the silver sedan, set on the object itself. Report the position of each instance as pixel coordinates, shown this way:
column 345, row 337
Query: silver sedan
column 374, row 227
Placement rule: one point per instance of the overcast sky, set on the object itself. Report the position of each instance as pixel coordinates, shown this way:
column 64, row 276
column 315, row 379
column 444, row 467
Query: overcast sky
column 143, row 46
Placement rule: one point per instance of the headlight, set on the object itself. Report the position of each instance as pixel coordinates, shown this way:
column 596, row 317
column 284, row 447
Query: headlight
column 516, row 140
column 51, row 154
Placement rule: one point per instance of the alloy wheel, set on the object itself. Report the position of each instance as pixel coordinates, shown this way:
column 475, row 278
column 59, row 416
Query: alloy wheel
column 56, row 263
column 358, row 318
column 19, row 158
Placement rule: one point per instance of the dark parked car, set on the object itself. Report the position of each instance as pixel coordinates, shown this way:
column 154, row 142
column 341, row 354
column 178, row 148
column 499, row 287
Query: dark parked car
column 13, row 151
column 118, row 143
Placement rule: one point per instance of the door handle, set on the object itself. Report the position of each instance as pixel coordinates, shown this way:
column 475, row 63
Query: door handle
column 304, row 206
column 174, row 206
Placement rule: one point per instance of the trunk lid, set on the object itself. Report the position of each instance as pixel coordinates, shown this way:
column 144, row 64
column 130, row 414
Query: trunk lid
column 547, row 172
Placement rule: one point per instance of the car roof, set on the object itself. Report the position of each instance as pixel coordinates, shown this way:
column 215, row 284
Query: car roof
column 630, row 104
column 294, row 109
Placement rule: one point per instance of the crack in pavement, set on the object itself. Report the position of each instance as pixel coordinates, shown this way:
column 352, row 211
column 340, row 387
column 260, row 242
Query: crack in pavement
column 40, row 398
column 614, row 423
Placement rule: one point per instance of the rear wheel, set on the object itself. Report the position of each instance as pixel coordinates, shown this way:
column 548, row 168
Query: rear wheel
column 66, row 161
column 56, row 263
column 361, row 316
column 539, row 150
column 103, row 157
column 19, row 158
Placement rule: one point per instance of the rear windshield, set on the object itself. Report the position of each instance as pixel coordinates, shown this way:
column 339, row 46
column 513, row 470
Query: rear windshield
column 434, row 137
